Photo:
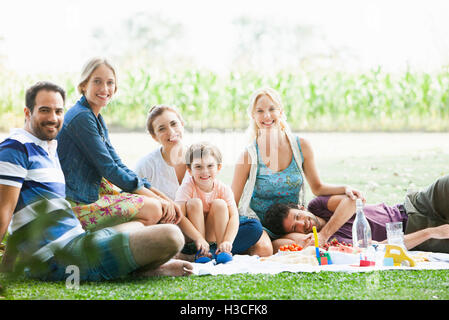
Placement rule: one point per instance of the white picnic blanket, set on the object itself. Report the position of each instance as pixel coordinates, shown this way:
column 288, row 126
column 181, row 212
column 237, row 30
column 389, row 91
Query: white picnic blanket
column 254, row 265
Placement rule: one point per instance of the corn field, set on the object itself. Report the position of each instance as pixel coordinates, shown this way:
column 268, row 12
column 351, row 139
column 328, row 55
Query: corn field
column 330, row 101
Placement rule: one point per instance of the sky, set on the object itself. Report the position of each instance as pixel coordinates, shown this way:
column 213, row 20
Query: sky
column 54, row 36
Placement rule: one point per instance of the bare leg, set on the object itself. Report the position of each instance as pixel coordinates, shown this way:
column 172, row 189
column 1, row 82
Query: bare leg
column 192, row 225
column 263, row 247
column 217, row 221
column 194, row 212
column 180, row 255
column 150, row 213
column 172, row 268
column 153, row 246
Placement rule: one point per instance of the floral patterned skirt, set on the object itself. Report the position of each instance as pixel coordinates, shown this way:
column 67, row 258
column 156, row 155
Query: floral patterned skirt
column 112, row 208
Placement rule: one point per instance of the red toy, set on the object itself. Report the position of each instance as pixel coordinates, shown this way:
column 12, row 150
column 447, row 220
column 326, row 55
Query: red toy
column 366, row 263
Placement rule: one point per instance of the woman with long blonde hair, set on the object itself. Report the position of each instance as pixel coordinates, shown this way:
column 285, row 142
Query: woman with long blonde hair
column 272, row 170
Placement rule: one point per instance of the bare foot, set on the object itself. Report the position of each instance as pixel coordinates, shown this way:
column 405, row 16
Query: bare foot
column 173, row 268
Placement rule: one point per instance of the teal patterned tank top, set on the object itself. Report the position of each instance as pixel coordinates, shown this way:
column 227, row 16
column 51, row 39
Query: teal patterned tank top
column 274, row 187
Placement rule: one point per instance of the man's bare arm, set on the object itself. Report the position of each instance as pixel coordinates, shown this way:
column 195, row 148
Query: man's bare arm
column 343, row 208
column 8, row 201
column 416, row 238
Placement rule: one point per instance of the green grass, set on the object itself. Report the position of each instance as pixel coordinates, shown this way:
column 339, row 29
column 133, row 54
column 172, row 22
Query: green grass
column 379, row 285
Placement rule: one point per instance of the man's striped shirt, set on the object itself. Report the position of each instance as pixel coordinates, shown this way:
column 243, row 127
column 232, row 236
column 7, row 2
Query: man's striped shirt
column 43, row 220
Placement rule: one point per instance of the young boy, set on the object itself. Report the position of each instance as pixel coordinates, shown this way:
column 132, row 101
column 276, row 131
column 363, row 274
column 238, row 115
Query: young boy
column 208, row 205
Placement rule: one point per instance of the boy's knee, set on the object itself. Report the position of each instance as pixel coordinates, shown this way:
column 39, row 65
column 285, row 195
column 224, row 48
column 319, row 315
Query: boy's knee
column 219, row 204
column 194, row 204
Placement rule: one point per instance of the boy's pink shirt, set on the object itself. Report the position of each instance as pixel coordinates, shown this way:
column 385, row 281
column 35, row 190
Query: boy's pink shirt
column 189, row 190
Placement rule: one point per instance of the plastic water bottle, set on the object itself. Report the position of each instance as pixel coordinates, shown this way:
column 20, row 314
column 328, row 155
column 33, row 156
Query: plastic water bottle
column 361, row 231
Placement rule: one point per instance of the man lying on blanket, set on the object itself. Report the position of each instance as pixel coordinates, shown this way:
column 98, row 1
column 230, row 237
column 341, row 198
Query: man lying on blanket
column 424, row 214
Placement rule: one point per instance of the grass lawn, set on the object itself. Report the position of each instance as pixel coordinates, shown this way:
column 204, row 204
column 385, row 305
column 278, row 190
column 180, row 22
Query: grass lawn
column 382, row 166
column 297, row 286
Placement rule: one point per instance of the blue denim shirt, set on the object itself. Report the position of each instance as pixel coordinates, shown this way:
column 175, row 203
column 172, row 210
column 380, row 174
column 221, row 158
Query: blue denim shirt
column 86, row 155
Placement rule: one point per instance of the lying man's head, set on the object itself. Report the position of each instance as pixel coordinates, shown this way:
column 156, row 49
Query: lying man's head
column 283, row 218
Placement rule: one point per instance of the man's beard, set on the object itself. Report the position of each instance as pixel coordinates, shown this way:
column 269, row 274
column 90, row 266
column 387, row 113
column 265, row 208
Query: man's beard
column 40, row 132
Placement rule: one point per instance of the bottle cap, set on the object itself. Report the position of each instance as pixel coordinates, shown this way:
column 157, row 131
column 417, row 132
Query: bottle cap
column 358, row 202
